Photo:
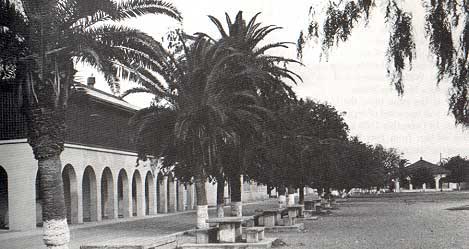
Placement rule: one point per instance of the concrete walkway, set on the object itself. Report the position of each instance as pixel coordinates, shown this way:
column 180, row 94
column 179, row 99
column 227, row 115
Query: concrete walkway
column 149, row 226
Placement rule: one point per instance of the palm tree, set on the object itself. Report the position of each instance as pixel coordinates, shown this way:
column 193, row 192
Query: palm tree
column 46, row 38
column 188, row 115
column 206, row 114
column 265, row 76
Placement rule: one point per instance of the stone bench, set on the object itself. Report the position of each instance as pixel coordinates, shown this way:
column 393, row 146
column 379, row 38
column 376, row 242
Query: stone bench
column 207, row 235
column 229, row 228
column 310, row 205
column 272, row 217
column 258, row 220
column 254, row 234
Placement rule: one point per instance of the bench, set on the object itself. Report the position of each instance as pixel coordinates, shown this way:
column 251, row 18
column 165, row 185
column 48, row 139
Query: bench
column 254, row 234
column 295, row 211
column 229, row 228
column 258, row 220
column 272, row 217
column 310, row 205
column 207, row 235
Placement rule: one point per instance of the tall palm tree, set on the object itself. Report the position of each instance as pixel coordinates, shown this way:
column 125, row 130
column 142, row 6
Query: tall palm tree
column 45, row 38
column 268, row 82
column 202, row 109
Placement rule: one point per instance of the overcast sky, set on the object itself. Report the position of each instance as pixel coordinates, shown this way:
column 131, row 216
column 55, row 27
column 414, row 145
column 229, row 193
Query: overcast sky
column 353, row 79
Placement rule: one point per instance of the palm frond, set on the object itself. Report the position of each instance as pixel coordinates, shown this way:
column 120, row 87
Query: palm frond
column 134, row 90
column 219, row 26
column 135, row 8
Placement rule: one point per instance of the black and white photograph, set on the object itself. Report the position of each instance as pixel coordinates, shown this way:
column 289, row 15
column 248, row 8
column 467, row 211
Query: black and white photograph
column 242, row 124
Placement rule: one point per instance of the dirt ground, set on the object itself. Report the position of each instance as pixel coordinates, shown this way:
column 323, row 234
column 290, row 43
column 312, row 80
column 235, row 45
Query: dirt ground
column 406, row 220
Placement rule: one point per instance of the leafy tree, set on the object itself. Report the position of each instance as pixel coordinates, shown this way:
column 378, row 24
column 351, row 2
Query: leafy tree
column 459, row 167
column 420, row 176
column 390, row 159
column 40, row 42
column 293, row 149
column 446, row 28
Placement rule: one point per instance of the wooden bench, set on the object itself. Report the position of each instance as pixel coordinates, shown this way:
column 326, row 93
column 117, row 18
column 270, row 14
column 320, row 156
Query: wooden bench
column 254, row 234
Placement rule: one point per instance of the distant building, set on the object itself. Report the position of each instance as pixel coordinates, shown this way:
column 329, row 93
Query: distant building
column 435, row 172
column 101, row 180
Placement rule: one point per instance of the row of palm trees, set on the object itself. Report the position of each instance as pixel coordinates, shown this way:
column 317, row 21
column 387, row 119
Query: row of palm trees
column 210, row 96
column 209, row 106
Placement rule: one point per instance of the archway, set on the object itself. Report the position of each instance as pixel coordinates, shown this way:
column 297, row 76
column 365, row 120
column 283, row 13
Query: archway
column 161, row 192
column 107, row 194
column 149, row 194
column 69, row 179
column 123, row 194
column 3, row 199
column 136, row 193
column 90, row 204
column 171, row 194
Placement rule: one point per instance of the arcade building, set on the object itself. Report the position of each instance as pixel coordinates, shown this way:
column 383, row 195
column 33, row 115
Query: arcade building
column 100, row 174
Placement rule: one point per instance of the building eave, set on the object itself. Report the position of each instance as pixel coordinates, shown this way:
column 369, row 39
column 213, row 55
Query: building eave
column 107, row 98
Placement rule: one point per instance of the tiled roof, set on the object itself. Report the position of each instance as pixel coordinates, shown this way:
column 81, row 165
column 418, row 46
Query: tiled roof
column 434, row 169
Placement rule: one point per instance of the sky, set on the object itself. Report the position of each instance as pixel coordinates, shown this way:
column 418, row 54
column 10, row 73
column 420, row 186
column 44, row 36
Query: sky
column 352, row 78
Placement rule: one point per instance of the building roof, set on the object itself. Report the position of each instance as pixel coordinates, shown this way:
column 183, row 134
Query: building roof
column 105, row 97
column 434, row 169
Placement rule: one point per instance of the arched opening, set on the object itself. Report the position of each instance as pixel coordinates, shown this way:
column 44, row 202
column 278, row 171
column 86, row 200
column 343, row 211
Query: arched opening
column 161, row 192
column 149, row 194
column 38, row 202
column 3, row 199
column 107, row 194
column 171, row 194
column 90, row 204
column 69, row 179
column 123, row 194
column 136, row 193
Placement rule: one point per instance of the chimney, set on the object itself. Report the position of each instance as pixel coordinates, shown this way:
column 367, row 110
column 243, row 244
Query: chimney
column 421, row 158
column 91, row 81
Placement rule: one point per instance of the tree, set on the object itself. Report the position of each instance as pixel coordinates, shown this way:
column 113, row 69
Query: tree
column 421, row 176
column 194, row 114
column 390, row 159
column 264, row 77
column 447, row 31
column 458, row 167
column 40, row 42
column 295, row 148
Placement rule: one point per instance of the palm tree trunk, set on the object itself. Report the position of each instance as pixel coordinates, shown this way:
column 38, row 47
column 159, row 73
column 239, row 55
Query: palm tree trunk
column 236, row 204
column 56, row 232
column 220, row 196
column 46, row 135
column 202, row 207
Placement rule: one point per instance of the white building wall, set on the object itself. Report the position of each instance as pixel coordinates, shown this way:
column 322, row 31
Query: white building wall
column 21, row 167
column 17, row 159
